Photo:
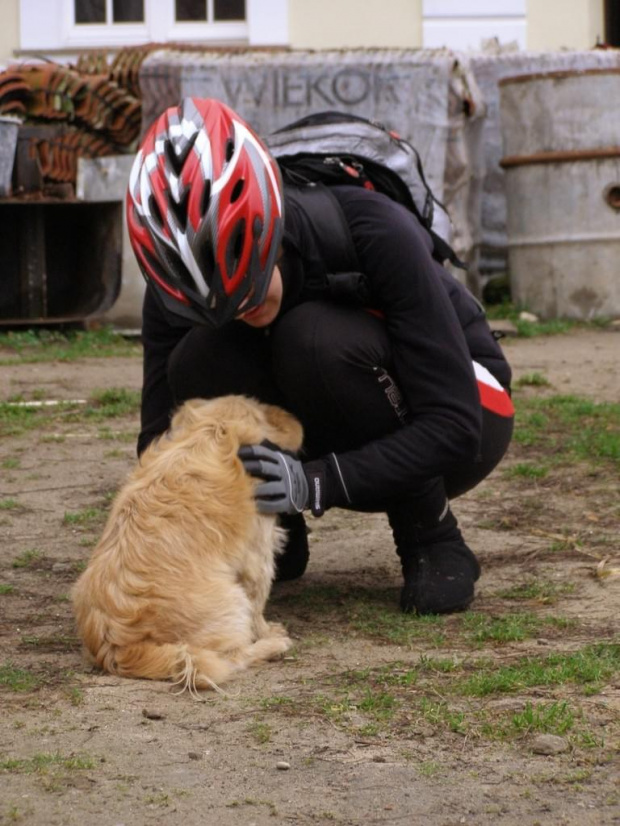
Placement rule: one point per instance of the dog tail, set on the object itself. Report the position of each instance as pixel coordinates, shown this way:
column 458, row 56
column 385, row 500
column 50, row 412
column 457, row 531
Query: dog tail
column 189, row 667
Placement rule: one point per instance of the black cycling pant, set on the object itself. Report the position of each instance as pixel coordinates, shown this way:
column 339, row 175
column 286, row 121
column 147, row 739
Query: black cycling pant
column 328, row 364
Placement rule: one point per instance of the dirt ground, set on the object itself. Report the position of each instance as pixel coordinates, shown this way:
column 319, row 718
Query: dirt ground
column 373, row 718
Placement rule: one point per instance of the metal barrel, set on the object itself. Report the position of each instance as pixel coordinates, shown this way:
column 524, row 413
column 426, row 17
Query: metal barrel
column 561, row 138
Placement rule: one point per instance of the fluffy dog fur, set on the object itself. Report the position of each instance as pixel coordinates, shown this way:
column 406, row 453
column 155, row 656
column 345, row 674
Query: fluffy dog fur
column 177, row 586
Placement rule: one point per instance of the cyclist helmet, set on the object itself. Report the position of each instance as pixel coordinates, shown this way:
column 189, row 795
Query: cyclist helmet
column 205, row 211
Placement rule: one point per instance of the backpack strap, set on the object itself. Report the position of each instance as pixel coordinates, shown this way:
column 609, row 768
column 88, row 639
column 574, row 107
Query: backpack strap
column 331, row 232
column 337, row 274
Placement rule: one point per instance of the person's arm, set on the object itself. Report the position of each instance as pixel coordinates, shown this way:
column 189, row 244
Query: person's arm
column 159, row 339
column 432, row 362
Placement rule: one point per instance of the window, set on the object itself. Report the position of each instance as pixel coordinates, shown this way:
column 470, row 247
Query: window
column 206, row 11
column 69, row 25
column 108, row 11
column 612, row 23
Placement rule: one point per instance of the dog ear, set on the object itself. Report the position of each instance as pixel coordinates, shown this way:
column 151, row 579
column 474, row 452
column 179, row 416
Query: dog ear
column 284, row 429
column 187, row 414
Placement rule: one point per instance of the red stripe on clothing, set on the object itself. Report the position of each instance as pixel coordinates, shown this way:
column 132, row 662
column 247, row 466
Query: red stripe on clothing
column 497, row 401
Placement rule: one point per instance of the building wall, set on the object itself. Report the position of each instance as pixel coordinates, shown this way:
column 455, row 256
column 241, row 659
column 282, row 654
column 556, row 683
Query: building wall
column 302, row 24
column 551, row 26
column 459, row 24
column 464, row 26
column 322, row 24
column 9, row 30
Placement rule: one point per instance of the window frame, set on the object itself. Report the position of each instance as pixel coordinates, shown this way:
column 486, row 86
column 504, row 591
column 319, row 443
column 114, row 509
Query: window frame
column 48, row 28
column 159, row 26
column 101, row 34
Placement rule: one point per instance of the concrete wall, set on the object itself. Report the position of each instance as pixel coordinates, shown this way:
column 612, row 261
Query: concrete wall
column 556, row 24
column 335, row 24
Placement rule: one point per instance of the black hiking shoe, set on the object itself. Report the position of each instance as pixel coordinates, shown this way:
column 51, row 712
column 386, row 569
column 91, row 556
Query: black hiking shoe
column 293, row 561
column 439, row 578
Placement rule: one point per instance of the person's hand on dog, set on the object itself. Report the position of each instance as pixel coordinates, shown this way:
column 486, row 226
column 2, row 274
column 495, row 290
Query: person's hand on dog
column 287, row 482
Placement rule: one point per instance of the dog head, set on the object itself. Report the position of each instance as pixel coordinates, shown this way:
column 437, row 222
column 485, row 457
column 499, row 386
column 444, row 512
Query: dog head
column 239, row 420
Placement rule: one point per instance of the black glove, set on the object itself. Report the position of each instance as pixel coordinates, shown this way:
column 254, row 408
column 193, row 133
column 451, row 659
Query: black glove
column 288, row 486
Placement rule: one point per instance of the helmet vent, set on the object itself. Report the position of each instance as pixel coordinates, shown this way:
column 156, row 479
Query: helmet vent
column 237, row 190
column 156, row 211
column 175, row 158
column 205, row 198
column 179, row 210
column 229, row 150
column 234, row 250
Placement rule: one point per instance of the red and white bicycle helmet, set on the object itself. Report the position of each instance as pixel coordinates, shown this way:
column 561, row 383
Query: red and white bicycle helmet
column 205, row 211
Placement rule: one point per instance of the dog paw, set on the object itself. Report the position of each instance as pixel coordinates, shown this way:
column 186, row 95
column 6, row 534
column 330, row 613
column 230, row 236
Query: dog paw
column 281, row 645
column 276, row 629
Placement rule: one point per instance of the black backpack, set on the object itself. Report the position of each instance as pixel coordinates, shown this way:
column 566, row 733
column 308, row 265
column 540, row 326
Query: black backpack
column 336, row 148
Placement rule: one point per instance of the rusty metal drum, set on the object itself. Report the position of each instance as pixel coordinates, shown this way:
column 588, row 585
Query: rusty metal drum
column 561, row 138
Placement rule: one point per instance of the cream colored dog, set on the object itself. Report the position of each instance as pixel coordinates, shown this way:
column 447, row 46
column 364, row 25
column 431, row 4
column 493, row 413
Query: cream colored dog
column 177, row 586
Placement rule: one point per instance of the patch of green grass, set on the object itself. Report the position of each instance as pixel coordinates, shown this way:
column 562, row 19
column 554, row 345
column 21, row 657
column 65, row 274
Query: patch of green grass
column 434, row 665
column 539, row 590
column 76, row 696
column 529, row 426
column 104, row 405
column 46, row 345
column 526, row 470
column 499, row 305
column 44, row 763
column 6, row 589
column 335, row 709
column 28, row 558
column 399, row 696
column 88, row 516
column 17, row 679
column 554, row 327
column 387, row 623
column 591, row 668
column 557, row 718
column 113, row 402
column 380, row 705
column 270, row 703
column 11, row 463
column 546, row 718
column 9, row 504
column 440, row 714
column 260, row 732
column 50, row 642
column 570, row 427
column 482, row 628
column 15, row 420
column 429, row 768
column 532, row 380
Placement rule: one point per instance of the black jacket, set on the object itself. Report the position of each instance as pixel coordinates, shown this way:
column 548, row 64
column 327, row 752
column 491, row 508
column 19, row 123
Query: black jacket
column 435, row 325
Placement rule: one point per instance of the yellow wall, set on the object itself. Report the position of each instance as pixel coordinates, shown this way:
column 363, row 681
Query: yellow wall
column 324, row 24
column 9, row 30
column 557, row 24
